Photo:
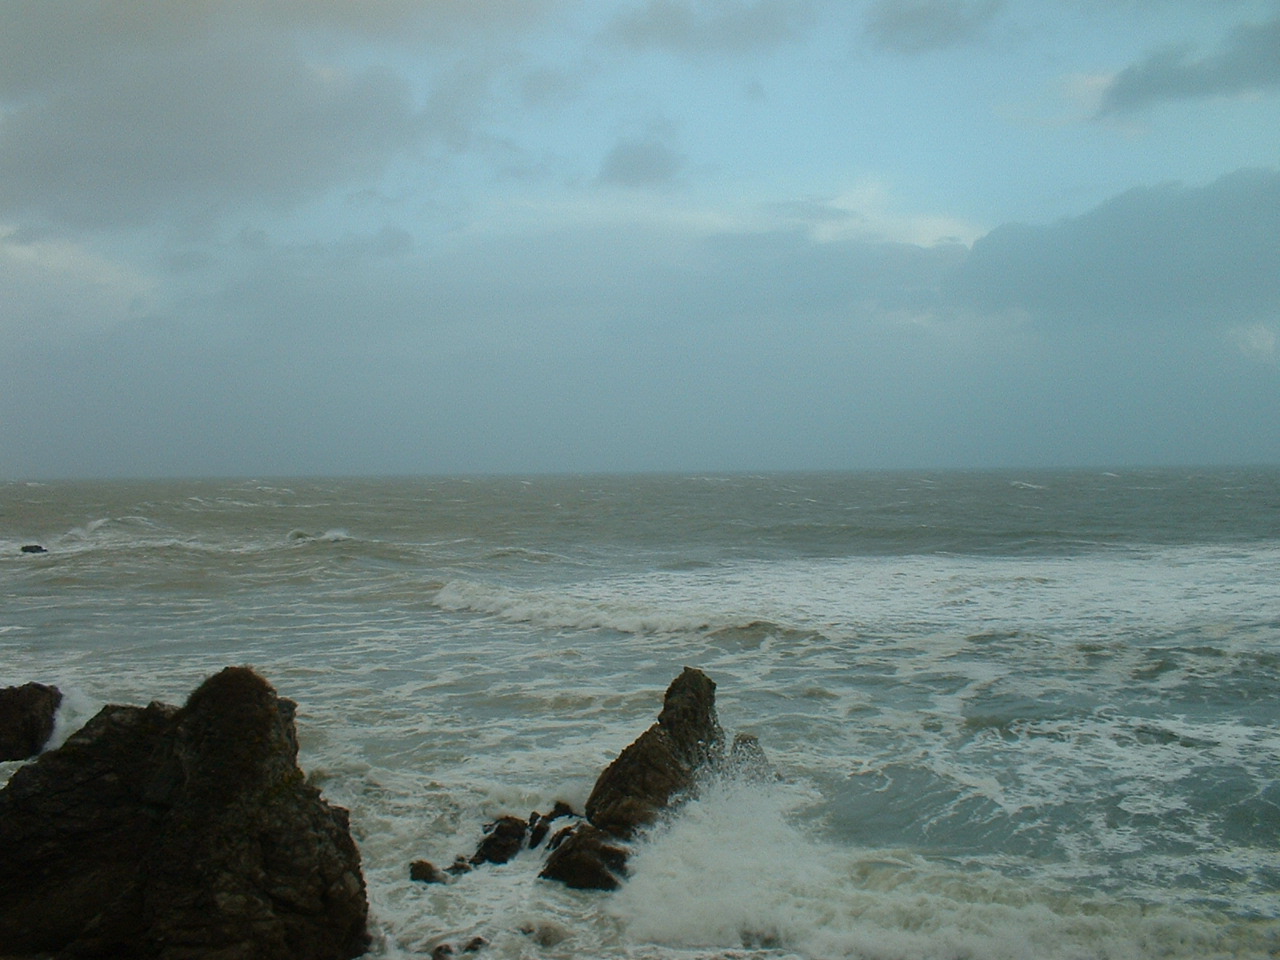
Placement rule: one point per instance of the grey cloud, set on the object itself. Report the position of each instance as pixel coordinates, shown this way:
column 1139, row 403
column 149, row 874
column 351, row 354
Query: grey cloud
column 40, row 40
column 47, row 47
column 195, row 131
column 545, row 86
column 1146, row 327
column 1162, row 255
column 918, row 26
column 130, row 112
column 644, row 348
column 646, row 161
column 1249, row 60
column 711, row 26
column 774, row 273
column 573, row 350
column 811, row 211
column 401, row 19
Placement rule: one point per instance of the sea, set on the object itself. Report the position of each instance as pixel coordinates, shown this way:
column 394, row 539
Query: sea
column 1027, row 715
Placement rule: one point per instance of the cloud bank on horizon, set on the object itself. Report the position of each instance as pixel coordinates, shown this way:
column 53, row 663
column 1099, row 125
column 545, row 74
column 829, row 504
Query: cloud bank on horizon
column 241, row 237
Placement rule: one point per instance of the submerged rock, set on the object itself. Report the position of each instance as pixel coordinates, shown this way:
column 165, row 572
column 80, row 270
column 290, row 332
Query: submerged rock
column 459, row 866
column 26, row 719
column 442, row 951
column 748, row 760
column 424, row 871
column 176, row 834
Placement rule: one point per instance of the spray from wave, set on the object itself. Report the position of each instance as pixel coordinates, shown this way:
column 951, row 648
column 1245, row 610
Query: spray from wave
column 736, row 868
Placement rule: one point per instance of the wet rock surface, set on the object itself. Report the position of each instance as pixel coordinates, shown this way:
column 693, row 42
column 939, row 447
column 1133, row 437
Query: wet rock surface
column 27, row 715
column 177, row 834
column 424, row 871
column 663, row 762
column 540, row 823
column 586, row 858
column 504, row 838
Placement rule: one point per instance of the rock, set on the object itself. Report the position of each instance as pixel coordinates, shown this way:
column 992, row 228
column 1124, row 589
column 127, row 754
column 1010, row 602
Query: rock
column 26, row 719
column 442, row 951
column 180, row 834
column 503, row 840
column 586, row 858
column 459, row 866
column 424, row 871
column 540, row 824
column 747, row 759
column 547, row 933
column 32, row 548
column 663, row 762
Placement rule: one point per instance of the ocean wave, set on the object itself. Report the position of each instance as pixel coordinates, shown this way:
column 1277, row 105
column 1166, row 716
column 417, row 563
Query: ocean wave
column 563, row 608
column 328, row 536
column 763, row 881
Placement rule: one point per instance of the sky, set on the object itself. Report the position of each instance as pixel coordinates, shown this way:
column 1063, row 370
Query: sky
column 337, row 237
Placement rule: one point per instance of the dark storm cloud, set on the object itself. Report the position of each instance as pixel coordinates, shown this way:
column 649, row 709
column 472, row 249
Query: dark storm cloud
column 1249, row 60
column 40, row 40
column 1164, row 254
column 130, row 112
column 918, row 26
column 197, row 131
column 711, row 26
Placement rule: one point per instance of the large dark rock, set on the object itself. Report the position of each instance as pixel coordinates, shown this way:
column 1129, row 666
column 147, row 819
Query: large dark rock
column 663, row 762
column 503, row 840
column 586, row 858
column 167, row 834
column 26, row 719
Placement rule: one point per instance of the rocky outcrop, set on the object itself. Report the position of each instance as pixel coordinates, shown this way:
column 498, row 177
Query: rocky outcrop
column 651, row 775
column 662, row 762
column 646, row 778
column 175, row 834
column 26, row 719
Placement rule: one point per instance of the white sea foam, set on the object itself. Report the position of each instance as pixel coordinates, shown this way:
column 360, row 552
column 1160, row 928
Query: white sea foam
column 584, row 607
column 734, row 870
column 906, row 596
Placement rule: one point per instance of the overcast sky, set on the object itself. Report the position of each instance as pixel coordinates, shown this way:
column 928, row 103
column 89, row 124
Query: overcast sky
column 285, row 237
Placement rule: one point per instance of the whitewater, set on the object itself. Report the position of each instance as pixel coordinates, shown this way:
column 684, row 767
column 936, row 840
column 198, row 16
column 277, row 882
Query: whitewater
column 1014, row 715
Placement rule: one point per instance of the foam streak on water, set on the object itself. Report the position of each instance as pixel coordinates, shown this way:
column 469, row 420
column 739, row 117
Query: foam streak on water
column 1013, row 715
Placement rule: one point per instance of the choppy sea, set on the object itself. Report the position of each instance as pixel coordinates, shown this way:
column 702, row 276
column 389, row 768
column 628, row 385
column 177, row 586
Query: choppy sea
column 1015, row 715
